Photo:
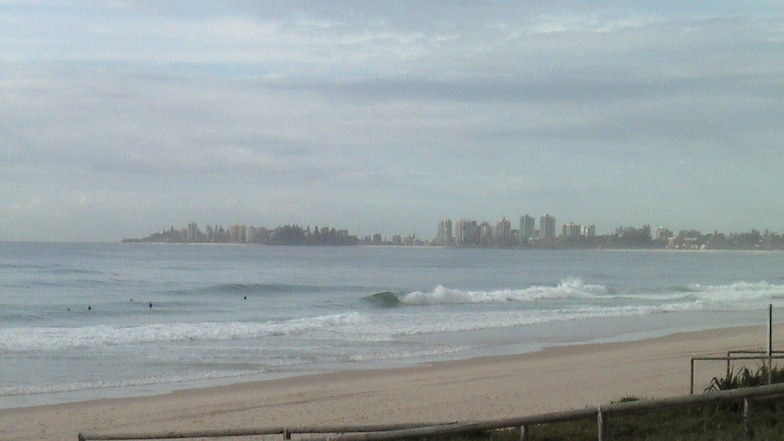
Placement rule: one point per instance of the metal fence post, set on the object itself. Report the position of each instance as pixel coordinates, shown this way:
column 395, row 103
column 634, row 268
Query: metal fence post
column 770, row 329
column 729, row 364
column 691, row 382
column 770, row 343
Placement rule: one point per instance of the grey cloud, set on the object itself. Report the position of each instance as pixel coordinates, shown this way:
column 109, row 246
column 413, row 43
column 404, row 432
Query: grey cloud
column 451, row 109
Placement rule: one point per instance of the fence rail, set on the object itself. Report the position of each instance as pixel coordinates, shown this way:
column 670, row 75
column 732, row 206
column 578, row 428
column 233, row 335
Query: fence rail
column 397, row 431
column 279, row 430
column 732, row 357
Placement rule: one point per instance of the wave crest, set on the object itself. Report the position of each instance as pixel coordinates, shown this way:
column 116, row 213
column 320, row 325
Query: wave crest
column 568, row 288
column 385, row 299
column 738, row 293
column 53, row 339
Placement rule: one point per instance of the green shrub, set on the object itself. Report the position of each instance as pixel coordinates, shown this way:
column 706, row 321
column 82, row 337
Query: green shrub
column 743, row 377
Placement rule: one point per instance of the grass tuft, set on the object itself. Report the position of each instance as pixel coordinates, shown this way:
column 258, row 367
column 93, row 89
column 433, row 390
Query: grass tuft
column 743, row 377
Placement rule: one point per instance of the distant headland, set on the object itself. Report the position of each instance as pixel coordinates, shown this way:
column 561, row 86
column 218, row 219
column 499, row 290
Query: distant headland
column 473, row 234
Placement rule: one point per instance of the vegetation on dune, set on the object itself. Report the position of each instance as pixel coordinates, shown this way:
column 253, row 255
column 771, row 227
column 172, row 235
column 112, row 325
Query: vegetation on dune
column 743, row 377
column 709, row 422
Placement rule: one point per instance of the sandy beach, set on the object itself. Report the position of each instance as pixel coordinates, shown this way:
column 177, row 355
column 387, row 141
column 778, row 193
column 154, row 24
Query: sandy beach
column 558, row 378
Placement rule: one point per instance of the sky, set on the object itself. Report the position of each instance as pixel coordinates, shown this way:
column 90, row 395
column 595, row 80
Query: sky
column 121, row 118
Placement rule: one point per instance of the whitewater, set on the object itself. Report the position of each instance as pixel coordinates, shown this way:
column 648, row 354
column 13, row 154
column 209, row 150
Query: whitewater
column 83, row 321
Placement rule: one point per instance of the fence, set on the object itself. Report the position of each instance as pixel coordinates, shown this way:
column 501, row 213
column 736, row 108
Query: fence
column 732, row 356
column 399, row 431
column 741, row 354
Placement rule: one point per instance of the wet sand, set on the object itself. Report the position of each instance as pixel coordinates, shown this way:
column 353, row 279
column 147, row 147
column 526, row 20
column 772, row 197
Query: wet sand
column 558, row 378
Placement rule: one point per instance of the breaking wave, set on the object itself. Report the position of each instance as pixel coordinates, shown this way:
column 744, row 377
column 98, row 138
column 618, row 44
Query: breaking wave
column 58, row 338
column 690, row 297
column 385, row 299
column 566, row 289
column 256, row 288
column 737, row 294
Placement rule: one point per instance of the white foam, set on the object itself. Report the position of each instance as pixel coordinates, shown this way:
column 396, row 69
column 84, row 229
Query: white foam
column 738, row 293
column 568, row 288
column 51, row 388
column 22, row 339
column 400, row 354
column 513, row 308
column 591, row 302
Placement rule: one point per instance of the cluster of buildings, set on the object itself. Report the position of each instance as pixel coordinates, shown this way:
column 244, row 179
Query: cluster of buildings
column 285, row 235
column 526, row 233
column 233, row 234
column 397, row 240
column 467, row 233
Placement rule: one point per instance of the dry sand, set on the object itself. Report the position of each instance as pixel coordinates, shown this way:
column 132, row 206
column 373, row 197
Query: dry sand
column 558, row 378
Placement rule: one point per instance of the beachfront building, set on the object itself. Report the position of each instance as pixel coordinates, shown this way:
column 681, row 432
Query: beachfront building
column 485, row 234
column 467, row 233
column 503, row 233
column 571, row 230
column 588, row 231
column 238, row 233
column 547, row 227
column 193, row 235
column 527, row 227
column 444, row 235
column 663, row 234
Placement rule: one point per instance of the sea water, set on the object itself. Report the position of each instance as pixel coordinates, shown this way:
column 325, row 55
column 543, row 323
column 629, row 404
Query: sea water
column 83, row 321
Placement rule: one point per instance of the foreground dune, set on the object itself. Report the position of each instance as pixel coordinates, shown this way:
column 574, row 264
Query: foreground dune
column 557, row 378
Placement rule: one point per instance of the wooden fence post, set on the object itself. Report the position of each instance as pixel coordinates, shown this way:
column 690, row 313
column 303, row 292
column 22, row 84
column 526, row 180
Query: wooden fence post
column 748, row 411
column 601, row 425
column 525, row 432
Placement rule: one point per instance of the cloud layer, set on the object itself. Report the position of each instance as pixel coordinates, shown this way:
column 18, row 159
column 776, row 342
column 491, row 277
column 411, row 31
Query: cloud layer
column 118, row 118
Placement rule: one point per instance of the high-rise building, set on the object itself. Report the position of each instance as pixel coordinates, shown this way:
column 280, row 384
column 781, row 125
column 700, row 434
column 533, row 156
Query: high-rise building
column 444, row 235
column 547, row 227
column 503, row 232
column 589, row 231
column 526, row 229
column 485, row 234
column 571, row 230
column 251, row 234
column 466, row 233
column 193, row 235
column 663, row 234
column 237, row 233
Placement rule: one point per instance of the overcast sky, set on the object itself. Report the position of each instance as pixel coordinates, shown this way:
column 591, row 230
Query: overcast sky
column 120, row 118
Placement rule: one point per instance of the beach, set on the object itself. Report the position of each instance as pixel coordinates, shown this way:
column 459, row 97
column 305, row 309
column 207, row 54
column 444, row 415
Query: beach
column 556, row 378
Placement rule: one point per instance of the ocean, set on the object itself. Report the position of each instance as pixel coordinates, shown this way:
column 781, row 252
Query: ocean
column 86, row 321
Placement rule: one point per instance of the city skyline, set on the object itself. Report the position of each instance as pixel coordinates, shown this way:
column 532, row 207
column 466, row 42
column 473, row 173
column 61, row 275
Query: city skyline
column 117, row 117
column 467, row 233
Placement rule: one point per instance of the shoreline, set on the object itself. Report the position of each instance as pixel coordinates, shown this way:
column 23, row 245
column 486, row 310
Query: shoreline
column 554, row 378
column 481, row 343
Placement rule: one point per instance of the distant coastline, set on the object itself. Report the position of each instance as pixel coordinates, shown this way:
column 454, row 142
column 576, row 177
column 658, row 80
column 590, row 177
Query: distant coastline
column 480, row 236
